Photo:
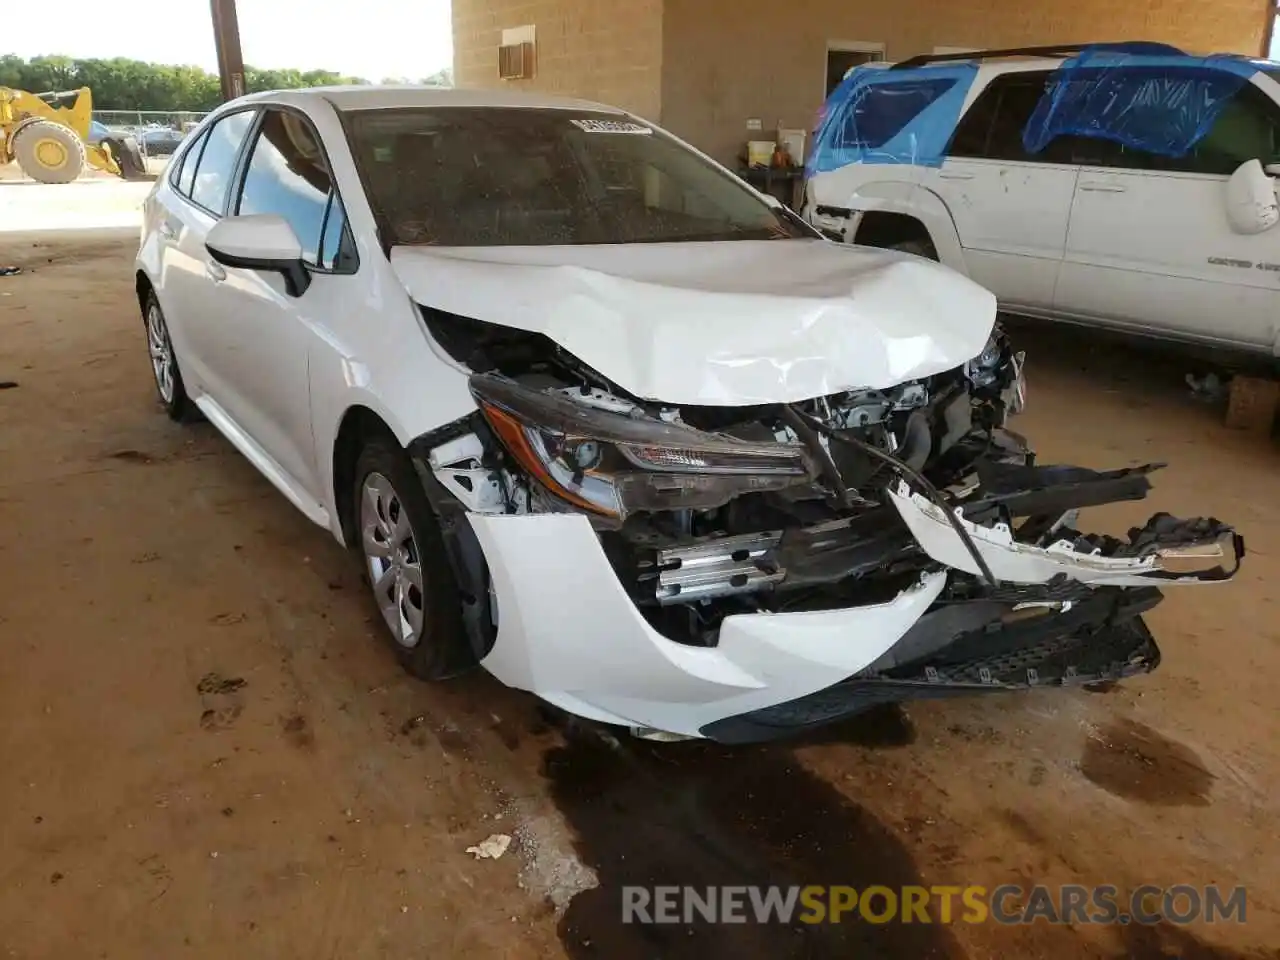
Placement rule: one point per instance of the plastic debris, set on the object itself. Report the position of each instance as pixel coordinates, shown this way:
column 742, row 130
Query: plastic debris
column 492, row 848
column 10, row 271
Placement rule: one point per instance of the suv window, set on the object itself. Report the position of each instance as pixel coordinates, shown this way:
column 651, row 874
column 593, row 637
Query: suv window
column 218, row 160
column 288, row 175
column 882, row 110
column 993, row 126
column 1247, row 128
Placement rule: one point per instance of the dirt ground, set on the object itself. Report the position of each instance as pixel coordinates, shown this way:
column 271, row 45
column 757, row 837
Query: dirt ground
column 205, row 750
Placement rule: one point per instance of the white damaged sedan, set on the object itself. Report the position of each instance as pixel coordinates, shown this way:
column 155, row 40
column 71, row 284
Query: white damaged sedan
column 597, row 416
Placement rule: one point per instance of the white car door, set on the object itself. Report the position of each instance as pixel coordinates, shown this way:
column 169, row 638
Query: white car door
column 1150, row 247
column 267, row 334
column 198, row 189
column 1010, row 207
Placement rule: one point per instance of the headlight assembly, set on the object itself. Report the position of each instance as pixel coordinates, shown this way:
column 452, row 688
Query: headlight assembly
column 610, row 465
column 998, row 367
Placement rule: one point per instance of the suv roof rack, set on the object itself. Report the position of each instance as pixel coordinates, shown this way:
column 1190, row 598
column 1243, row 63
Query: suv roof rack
column 1054, row 50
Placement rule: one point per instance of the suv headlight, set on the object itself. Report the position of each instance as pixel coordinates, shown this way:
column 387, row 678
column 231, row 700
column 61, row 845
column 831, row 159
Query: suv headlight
column 611, row 465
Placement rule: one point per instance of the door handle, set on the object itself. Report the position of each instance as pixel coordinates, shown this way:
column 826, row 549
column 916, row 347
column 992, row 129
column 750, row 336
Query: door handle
column 955, row 176
column 215, row 271
column 1101, row 186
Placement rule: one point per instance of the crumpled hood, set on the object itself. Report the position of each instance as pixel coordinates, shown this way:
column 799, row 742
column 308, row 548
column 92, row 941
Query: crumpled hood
column 722, row 324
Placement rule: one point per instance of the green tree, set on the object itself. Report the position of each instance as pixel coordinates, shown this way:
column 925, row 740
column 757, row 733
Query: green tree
column 121, row 84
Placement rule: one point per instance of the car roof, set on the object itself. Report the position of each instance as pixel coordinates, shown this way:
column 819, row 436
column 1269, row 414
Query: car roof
column 1018, row 59
column 386, row 96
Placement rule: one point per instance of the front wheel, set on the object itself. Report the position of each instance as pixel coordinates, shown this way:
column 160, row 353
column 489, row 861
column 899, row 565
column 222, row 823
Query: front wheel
column 48, row 152
column 921, row 247
column 403, row 553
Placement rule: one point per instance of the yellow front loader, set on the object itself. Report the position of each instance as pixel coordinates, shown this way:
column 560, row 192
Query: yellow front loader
column 48, row 134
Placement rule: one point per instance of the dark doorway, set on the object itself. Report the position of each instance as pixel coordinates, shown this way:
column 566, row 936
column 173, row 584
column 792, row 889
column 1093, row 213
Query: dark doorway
column 840, row 62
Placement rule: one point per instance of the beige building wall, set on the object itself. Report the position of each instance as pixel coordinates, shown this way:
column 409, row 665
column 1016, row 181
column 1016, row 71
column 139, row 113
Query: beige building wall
column 704, row 67
column 607, row 50
column 725, row 61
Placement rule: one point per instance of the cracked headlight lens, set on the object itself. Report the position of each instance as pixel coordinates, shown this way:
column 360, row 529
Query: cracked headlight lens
column 610, row 465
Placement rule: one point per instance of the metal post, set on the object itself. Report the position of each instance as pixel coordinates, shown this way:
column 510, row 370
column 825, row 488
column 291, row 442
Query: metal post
column 226, row 37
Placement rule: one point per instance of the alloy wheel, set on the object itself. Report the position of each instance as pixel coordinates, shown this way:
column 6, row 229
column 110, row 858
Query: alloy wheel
column 392, row 558
column 161, row 350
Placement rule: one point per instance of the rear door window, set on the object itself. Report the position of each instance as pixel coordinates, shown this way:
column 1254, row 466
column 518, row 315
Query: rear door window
column 184, row 176
column 217, row 161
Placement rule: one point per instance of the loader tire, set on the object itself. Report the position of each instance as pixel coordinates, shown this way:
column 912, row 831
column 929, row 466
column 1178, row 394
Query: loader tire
column 127, row 156
column 48, row 152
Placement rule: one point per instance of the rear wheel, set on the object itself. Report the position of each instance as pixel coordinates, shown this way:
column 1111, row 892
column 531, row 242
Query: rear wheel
column 49, row 152
column 399, row 541
column 164, row 363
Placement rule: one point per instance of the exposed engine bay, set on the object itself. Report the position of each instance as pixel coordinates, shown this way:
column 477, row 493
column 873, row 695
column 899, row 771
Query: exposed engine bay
column 844, row 500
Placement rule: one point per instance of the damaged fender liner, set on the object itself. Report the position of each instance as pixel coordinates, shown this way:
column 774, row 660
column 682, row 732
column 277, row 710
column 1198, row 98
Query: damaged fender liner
column 461, row 546
column 1101, row 639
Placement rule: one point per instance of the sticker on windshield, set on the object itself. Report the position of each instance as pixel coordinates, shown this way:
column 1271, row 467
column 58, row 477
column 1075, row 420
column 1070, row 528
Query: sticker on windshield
column 611, row 126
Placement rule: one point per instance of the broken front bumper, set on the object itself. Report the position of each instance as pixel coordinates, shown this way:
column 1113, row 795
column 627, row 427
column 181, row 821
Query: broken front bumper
column 1066, row 608
column 1145, row 560
column 569, row 632
column 1099, row 640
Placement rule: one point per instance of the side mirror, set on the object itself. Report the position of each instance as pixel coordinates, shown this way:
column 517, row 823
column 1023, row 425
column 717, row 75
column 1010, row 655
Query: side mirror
column 261, row 241
column 1251, row 200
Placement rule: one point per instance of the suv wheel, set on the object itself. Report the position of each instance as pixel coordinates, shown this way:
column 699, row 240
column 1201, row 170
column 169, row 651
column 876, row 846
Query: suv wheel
column 920, row 248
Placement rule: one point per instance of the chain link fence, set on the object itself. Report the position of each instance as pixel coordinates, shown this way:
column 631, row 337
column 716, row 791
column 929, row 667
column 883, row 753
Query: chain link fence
column 158, row 132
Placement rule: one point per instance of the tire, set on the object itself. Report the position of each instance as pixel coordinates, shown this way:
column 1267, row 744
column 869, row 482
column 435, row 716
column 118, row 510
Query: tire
column 164, row 364
column 48, row 152
column 386, row 490
column 127, row 156
column 921, row 247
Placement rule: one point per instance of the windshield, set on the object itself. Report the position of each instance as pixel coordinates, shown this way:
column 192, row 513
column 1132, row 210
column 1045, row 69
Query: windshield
column 487, row 176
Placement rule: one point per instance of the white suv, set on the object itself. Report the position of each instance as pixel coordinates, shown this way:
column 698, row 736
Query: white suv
column 1125, row 185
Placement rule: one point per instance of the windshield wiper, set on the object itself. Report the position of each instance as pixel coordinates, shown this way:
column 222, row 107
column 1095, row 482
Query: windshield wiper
column 713, row 237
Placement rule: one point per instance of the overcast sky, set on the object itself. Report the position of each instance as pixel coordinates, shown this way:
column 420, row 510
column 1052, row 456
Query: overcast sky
column 364, row 38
